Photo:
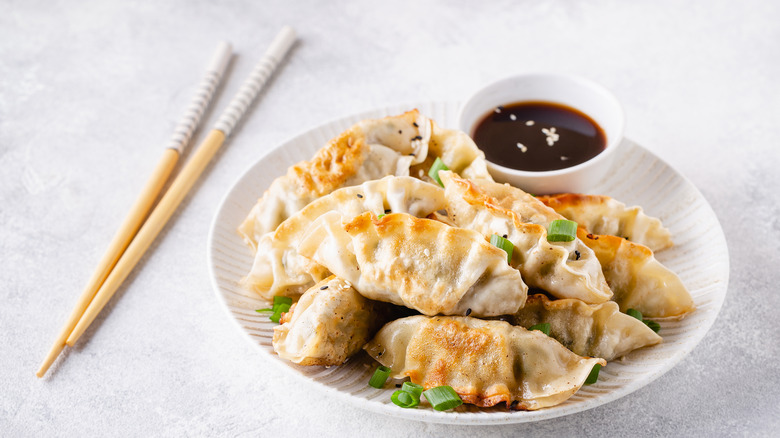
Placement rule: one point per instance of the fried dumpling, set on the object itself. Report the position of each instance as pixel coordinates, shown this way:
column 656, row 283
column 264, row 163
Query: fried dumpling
column 564, row 269
column 597, row 330
column 604, row 215
column 418, row 263
column 485, row 362
column 368, row 150
column 330, row 323
column 638, row 280
column 278, row 269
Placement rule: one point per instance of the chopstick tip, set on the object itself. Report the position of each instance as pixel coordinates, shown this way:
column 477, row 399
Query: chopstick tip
column 54, row 353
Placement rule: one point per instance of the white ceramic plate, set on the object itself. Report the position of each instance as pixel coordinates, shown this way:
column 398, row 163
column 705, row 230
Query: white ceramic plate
column 699, row 257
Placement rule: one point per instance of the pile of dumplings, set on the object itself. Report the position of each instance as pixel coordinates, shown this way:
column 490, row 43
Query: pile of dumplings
column 380, row 257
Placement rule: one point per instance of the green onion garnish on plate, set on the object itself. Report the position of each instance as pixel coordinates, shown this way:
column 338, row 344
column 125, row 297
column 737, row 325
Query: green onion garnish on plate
column 543, row 327
column 504, row 244
column 562, row 230
column 405, row 399
column 380, row 377
column 282, row 308
column 443, row 398
column 594, row 375
column 435, row 168
column 279, row 300
column 413, row 388
column 654, row 326
column 281, row 305
column 635, row 313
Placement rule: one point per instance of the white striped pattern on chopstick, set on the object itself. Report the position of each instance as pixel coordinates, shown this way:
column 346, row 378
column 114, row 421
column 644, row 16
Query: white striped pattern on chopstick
column 255, row 82
column 205, row 91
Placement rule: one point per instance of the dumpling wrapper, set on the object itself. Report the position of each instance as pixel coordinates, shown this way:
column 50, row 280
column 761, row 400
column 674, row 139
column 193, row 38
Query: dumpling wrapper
column 564, row 269
column 330, row 323
column 278, row 269
column 596, row 330
column 485, row 362
column 604, row 215
column 418, row 263
column 369, row 150
column 638, row 280
column 457, row 150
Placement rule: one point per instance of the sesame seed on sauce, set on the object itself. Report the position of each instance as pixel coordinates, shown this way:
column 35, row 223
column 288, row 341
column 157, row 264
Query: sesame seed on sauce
column 498, row 109
column 523, row 148
column 529, row 123
column 551, row 135
column 564, row 158
column 513, row 117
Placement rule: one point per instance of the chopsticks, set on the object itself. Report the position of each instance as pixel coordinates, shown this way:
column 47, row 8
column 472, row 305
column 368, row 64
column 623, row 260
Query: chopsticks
column 87, row 309
column 138, row 212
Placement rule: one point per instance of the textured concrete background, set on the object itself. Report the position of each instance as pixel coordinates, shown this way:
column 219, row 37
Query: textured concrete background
column 90, row 92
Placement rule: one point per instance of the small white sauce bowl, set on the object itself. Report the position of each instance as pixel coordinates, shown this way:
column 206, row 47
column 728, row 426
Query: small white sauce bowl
column 578, row 93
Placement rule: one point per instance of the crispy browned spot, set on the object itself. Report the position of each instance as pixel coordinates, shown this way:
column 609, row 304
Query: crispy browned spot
column 557, row 202
column 330, row 168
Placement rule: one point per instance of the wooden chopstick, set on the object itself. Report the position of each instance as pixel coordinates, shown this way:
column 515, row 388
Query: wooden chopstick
column 187, row 177
column 138, row 212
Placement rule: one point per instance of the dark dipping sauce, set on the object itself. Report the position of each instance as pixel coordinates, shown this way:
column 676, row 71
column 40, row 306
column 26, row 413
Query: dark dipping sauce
column 538, row 136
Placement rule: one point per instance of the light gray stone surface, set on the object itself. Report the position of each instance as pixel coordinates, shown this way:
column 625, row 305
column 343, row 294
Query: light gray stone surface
column 90, row 91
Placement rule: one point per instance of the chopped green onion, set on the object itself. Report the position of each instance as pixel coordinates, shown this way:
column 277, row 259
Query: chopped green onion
column 278, row 310
column 443, row 398
column 594, row 374
column 435, row 168
column 380, row 377
column 504, row 244
column 380, row 216
column 279, row 300
column 654, row 326
column 413, row 388
column 405, row 399
column 635, row 313
column 281, row 305
column 562, row 230
column 543, row 327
